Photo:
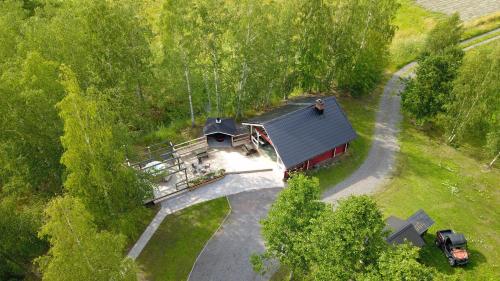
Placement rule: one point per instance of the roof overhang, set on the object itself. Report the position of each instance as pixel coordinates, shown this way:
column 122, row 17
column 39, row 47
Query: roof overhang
column 252, row 124
column 217, row 132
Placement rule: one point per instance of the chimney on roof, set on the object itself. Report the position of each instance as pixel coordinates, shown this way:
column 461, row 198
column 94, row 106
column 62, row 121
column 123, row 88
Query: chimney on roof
column 319, row 106
column 218, row 120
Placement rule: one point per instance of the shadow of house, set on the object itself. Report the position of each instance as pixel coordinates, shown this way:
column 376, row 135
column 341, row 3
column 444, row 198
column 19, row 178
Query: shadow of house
column 411, row 230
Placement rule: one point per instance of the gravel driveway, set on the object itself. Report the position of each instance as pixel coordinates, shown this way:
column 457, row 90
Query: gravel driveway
column 378, row 165
column 226, row 255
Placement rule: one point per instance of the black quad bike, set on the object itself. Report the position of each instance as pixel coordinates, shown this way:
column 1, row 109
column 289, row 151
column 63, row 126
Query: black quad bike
column 453, row 245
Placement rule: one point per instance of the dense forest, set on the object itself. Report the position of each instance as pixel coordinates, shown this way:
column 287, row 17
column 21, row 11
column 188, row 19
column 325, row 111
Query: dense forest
column 82, row 79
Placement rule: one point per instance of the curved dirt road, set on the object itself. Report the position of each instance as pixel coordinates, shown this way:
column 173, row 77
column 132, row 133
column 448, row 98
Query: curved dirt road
column 226, row 255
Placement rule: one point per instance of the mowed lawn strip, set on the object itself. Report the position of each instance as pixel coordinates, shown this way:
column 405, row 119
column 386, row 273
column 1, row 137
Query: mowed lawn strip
column 457, row 191
column 172, row 251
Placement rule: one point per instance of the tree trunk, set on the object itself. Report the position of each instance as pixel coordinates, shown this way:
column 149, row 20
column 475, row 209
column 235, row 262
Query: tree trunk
column 494, row 160
column 245, row 68
column 240, row 88
column 77, row 240
column 458, row 125
column 207, row 88
column 216, row 81
column 188, row 83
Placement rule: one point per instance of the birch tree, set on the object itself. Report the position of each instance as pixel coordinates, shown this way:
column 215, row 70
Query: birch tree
column 474, row 111
column 78, row 251
column 94, row 160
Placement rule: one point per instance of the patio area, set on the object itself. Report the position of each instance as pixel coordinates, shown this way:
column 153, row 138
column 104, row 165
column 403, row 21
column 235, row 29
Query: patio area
column 233, row 160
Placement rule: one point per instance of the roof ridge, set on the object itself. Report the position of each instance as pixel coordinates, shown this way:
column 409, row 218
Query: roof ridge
column 294, row 111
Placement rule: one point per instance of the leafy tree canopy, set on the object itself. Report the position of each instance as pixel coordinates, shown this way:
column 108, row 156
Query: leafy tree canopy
column 78, row 251
column 426, row 95
column 318, row 242
column 94, row 158
column 287, row 228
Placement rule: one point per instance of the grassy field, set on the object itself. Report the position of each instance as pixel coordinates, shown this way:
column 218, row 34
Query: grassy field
column 457, row 192
column 413, row 24
column 172, row 251
column 481, row 25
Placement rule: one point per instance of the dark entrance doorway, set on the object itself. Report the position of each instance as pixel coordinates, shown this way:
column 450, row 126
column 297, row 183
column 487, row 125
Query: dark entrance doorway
column 219, row 140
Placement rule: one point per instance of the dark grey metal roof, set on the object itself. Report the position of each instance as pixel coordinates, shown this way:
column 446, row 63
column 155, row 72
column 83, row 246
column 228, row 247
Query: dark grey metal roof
column 421, row 221
column 301, row 134
column 402, row 231
column 290, row 106
column 225, row 126
column 275, row 113
column 457, row 238
column 394, row 223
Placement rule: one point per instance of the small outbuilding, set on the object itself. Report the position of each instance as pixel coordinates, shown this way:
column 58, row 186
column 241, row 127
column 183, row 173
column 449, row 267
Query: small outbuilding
column 402, row 231
column 421, row 221
column 220, row 132
column 411, row 230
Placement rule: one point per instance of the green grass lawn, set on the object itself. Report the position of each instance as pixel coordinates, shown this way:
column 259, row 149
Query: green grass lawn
column 457, row 192
column 172, row 251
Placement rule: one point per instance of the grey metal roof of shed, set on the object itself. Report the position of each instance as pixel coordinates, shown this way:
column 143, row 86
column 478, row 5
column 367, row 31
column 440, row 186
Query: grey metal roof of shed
column 402, row 231
column 226, row 126
column 299, row 133
column 457, row 238
column 421, row 221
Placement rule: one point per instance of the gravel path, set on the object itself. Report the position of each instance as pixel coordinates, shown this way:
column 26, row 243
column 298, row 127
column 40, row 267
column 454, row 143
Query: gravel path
column 468, row 9
column 226, row 255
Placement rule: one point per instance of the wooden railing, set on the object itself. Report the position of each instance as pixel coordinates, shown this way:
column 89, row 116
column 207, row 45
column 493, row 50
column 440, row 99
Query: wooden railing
column 241, row 139
column 187, row 147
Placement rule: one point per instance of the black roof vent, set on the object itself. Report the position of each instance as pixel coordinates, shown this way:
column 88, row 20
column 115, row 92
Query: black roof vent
column 218, row 120
column 319, row 106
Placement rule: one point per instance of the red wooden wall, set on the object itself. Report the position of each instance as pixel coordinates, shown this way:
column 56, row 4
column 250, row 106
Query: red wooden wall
column 320, row 158
column 340, row 149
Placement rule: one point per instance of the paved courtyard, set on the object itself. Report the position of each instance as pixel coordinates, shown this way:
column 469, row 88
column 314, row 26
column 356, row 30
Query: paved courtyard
column 468, row 9
column 232, row 160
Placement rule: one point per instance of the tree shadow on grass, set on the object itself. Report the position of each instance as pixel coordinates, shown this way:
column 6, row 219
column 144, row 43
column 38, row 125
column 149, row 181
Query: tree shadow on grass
column 433, row 257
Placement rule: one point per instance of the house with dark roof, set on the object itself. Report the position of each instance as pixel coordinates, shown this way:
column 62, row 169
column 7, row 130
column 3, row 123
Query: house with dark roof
column 303, row 134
